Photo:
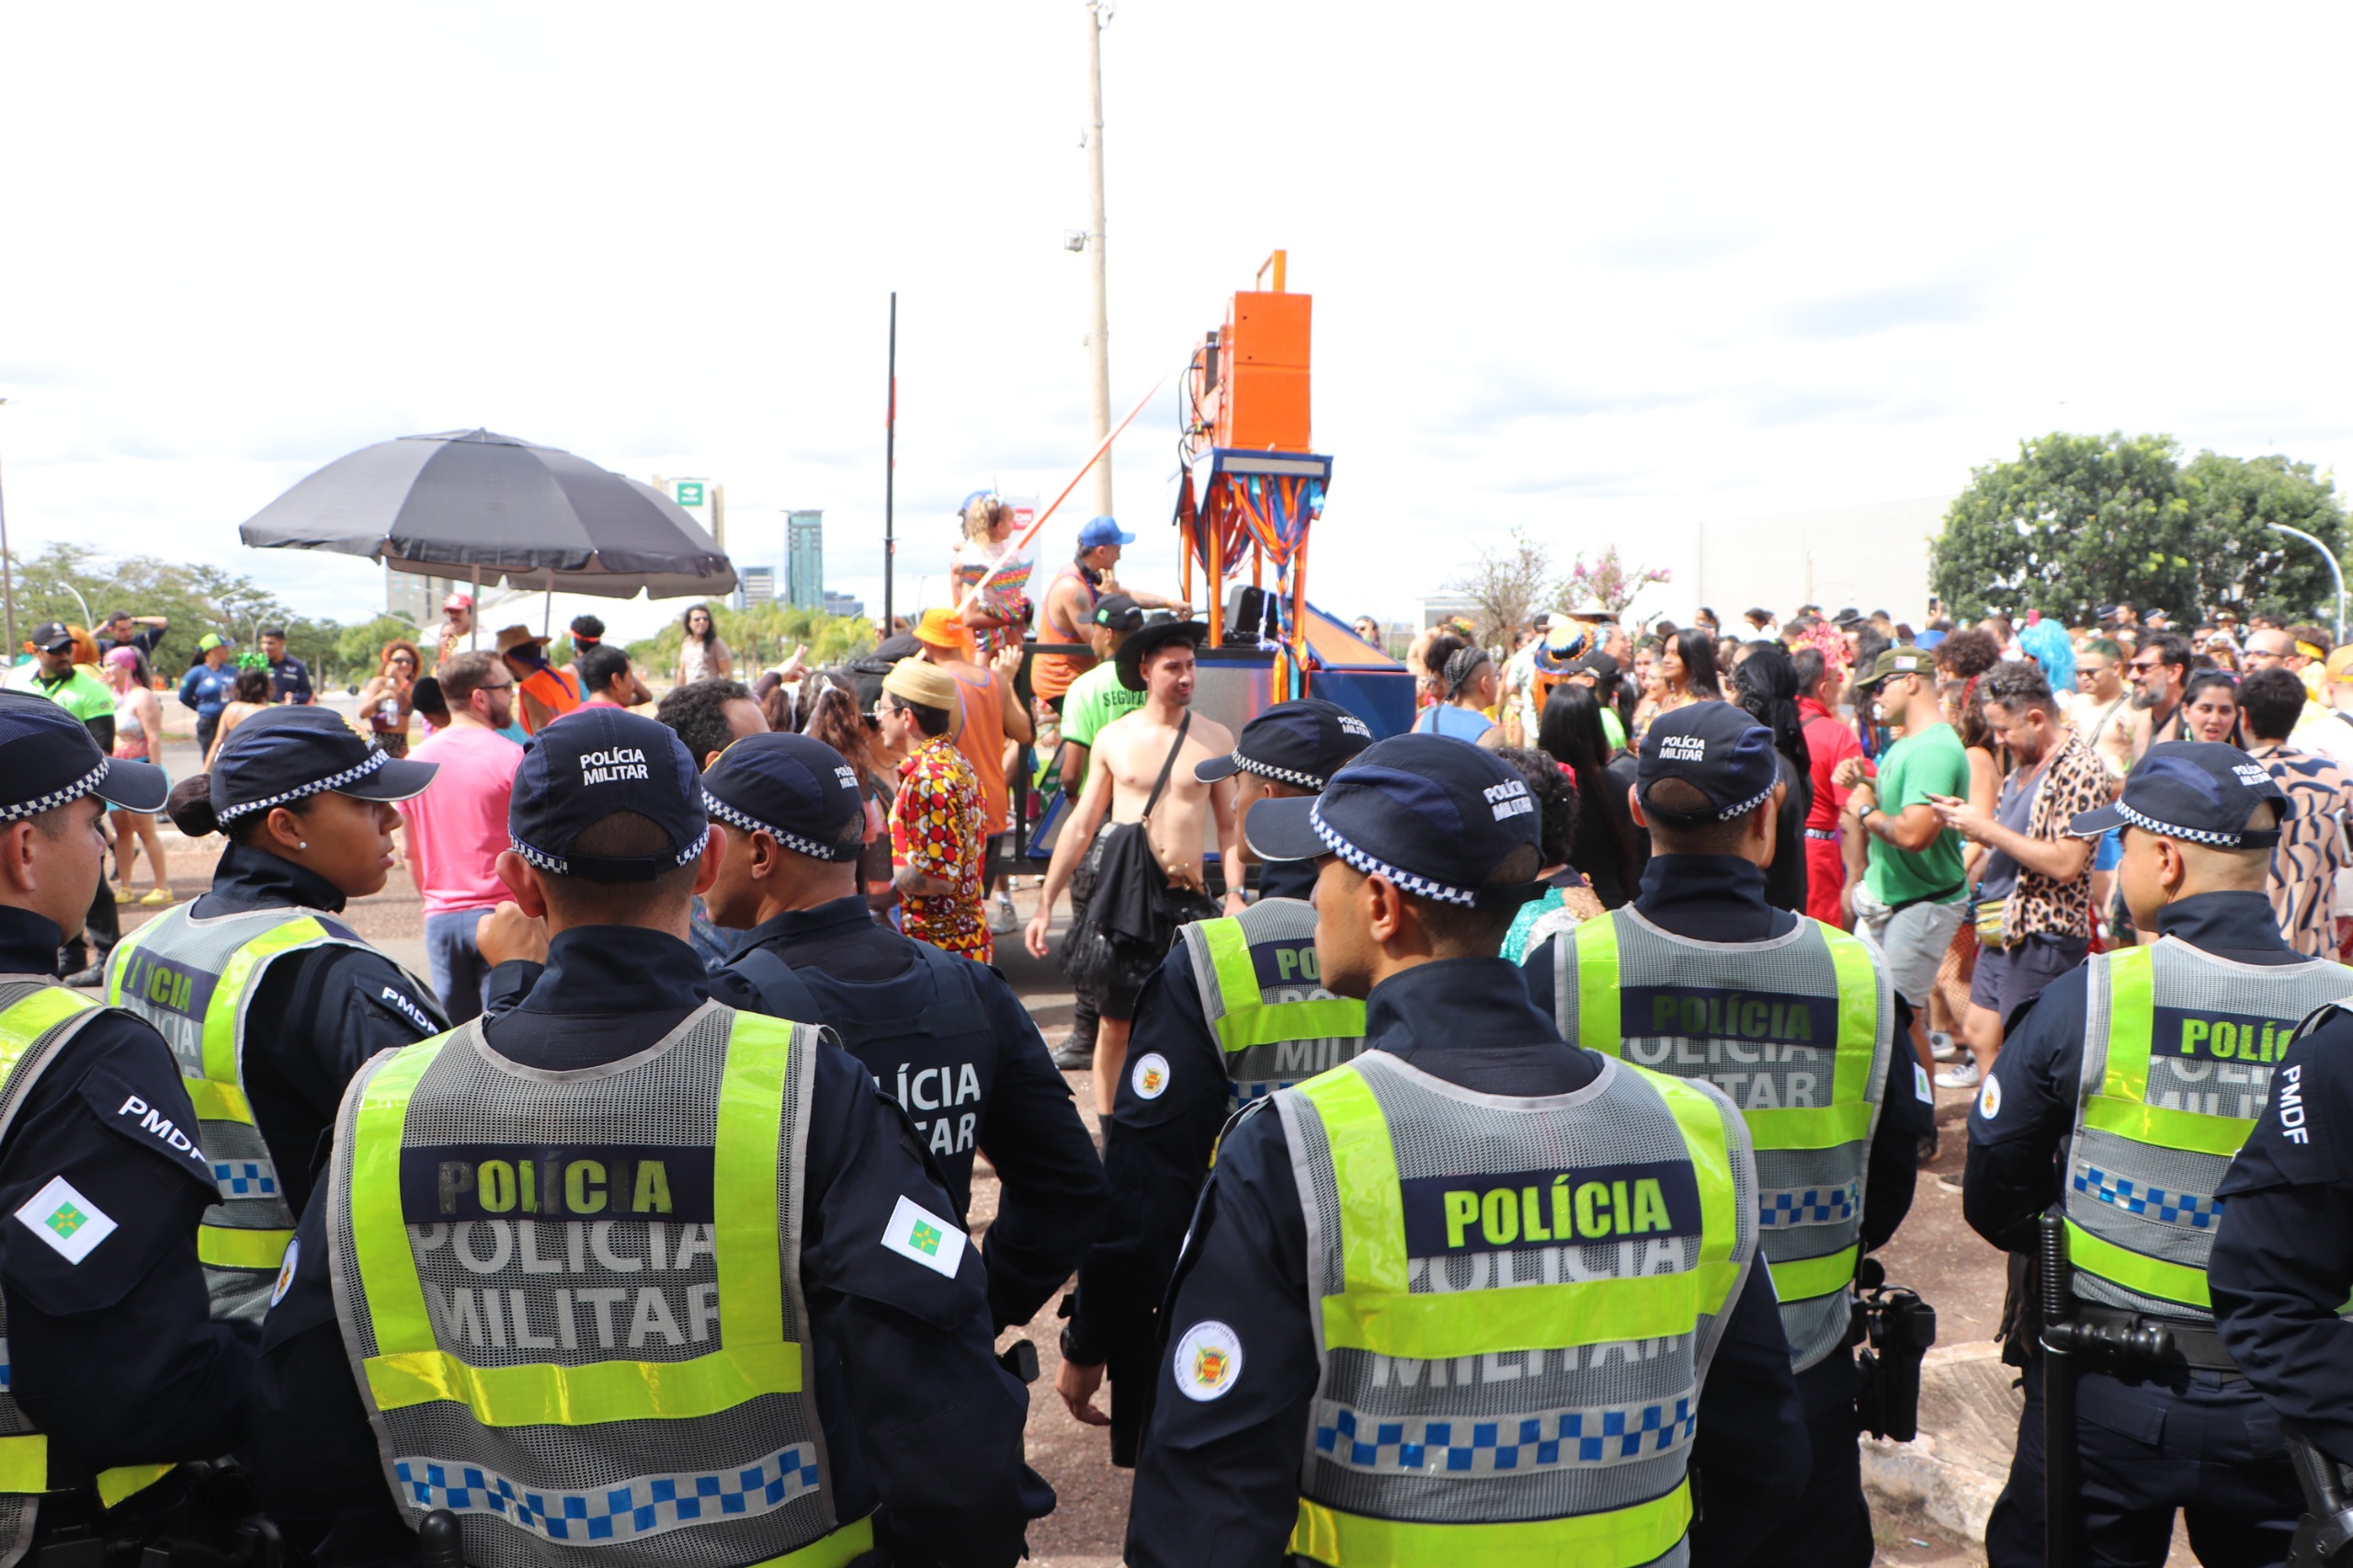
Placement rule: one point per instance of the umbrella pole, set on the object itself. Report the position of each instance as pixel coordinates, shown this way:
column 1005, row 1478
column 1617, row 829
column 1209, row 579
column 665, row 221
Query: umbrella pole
column 547, row 610
column 473, row 618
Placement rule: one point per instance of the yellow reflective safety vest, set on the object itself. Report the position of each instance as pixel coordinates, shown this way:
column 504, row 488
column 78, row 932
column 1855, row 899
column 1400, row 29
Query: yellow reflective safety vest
column 2178, row 1047
column 1797, row 1029
column 1517, row 1302
column 195, row 980
column 573, row 1297
column 1274, row 1023
column 37, row 1017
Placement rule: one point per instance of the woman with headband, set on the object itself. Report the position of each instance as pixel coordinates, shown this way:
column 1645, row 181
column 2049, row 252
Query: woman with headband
column 306, row 806
column 1468, row 685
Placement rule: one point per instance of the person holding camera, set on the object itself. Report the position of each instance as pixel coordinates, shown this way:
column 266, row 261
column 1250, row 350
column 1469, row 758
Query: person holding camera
column 2125, row 1090
column 1797, row 1022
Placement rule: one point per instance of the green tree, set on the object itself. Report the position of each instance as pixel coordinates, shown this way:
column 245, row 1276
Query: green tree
column 2244, row 564
column 759, row 637
column 2074, row 522
column 2078, row 521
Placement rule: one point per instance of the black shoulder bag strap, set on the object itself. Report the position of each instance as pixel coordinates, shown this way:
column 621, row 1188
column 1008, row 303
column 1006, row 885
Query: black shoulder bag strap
column 1168, row 767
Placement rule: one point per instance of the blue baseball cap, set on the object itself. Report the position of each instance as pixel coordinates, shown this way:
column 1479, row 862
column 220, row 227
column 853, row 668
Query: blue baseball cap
column 1101, row 531
column 48, row 760
column 1433, row 815
column 1301, row 743
column 796, row 788
column 1718, row 749
column 595, row 762
column 281, row 755
column 2200, row 791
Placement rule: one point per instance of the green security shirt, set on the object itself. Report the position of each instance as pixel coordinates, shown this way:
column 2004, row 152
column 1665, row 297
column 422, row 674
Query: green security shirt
column 1930, row 763
column 81, row 694
column 1093, row 700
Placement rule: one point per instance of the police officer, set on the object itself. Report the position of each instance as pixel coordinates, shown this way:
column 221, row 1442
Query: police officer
column 113, row 1373
column 1475, row 1294
column 2283, row 1268
column 2120, row 1097
column 1795, row 1020
column 1255, row 974
column 562, row 1273
column 942, row 1034
column 269, row 1002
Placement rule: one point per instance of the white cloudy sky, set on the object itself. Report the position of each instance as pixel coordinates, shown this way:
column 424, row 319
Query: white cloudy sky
column 1597, row 270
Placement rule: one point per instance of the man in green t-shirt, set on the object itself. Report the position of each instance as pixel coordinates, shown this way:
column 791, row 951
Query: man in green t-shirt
column 53, row 674
column 1096, row 697
column 1912, row 893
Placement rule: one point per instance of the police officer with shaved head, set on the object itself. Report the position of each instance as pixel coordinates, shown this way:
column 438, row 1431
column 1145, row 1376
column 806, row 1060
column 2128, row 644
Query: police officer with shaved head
column 1235, row 1012
column 624, row 1267
column 2118, row 1102
column 113, row 1376
column 1795, row 1020
column 1475, row 1294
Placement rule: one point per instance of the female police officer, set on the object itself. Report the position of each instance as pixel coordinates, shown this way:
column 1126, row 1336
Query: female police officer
column 112, row 1371
column 304, row 803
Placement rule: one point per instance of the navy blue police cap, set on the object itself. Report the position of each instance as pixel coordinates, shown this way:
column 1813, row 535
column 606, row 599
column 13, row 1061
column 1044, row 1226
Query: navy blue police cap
column 796, row 788
column 1433, row 815
column 1718, row 749
column 1301, row 743
column 2200, row 791
column 48, row 760
column 588, row 765
column 285, row 754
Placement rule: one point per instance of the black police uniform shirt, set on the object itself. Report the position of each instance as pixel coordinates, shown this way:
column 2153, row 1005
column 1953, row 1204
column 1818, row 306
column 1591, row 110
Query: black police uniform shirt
column 114, row 1356
column 1723, row 898
column 319, row 1015
column 2011, row 1177
column 916, row 1410
column 999, row 1093
column 1286, row 879
column 1156, row 1155
column 290, row 680
column 1219, row 1480
column 2282, row 1264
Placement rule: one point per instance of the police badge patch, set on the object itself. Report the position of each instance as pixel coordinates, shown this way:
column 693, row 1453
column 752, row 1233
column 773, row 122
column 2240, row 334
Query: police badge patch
column 1208, row 1359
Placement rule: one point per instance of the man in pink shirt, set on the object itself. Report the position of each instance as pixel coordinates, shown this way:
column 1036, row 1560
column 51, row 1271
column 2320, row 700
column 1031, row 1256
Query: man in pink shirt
column 458, row 826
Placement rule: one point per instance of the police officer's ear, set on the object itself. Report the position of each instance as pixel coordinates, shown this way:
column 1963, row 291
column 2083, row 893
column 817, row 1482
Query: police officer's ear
column 522, row 880
column 714, row 855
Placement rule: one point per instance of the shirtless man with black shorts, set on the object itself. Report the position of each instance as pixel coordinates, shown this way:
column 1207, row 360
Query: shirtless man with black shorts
column 1129, row 756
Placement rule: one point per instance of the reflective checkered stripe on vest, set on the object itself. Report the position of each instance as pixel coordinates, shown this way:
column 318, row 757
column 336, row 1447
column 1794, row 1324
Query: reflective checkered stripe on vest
column 1517, row 1303
column 2179, row 1047
column 37, row 1017
column 1796, row 1030
column 573, row 1299
column 195, row 980
column 1274, row 1024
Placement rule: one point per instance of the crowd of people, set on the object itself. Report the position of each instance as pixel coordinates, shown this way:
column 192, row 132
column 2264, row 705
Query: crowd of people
column 1496, row 1117
column 1928, row 776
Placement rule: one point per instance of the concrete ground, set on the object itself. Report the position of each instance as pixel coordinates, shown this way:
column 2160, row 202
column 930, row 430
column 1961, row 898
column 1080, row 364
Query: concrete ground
column 1929, row 1499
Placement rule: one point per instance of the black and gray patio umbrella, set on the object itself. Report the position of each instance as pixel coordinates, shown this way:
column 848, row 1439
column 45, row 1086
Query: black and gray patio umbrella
column 475, row 503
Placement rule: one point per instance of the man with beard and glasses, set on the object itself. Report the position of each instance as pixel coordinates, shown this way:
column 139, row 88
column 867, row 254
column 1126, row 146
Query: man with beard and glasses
column 2160, row 670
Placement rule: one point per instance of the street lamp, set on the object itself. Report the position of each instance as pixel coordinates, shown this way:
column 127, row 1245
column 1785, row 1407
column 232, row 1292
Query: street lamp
column 2334, row 569
column 8, row 580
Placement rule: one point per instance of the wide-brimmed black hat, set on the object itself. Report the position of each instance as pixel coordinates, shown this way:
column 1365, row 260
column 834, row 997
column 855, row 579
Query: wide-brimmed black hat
column 1150, row 638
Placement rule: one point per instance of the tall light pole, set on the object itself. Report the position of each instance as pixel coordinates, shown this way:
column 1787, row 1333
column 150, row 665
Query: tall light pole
column 1098, row 331
column 8, row 579
column 2334, row 569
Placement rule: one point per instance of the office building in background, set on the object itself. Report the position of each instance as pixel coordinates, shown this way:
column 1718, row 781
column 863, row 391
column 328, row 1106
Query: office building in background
column 804, row 560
